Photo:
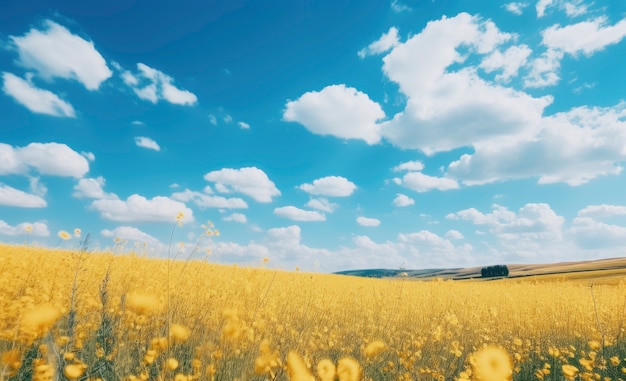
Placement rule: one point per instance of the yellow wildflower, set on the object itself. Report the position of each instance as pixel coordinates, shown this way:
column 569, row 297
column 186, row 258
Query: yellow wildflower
column 348, row 369
column 492, row 364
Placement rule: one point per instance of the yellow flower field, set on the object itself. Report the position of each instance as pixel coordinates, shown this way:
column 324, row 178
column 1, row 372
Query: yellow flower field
column 72, row 315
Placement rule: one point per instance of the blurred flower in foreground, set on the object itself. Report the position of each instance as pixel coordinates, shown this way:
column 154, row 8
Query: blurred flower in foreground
column 492, row 364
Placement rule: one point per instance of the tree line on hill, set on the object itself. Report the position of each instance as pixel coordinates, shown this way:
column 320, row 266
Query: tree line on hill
column 494, row 271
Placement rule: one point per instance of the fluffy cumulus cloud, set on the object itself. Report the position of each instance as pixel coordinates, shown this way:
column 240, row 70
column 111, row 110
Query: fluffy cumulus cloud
column 137, row 208
column 297, row 214
column 284, row 245
column 426, row 239
column 409, row 166
column 236, row 217
column 571, row 147
column 250, row 181
column 337, row 110
column 534, row 221
column 507, row 62
column 322, row 204
column 603, row 210
column 591, row 233
column 420, row 182
column 153, row 85
column 10, row 196
column 454, row 234
column 515, row 7
column 204, row 200
column 37, row 229
column 145, row 142
column 37, row 100
column 541, row 6
column 386, row 42
column 130, row 233
column 52, row 159
column 585, row 37
column 92, row 188
column 332, row 186
column 366, row 221
column 448, row 109
column 572, row 8
column 47, row 50
column 402, row 200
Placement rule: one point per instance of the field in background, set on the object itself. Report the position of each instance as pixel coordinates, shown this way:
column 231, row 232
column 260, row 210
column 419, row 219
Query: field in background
column 76, row 315
column 600, row 271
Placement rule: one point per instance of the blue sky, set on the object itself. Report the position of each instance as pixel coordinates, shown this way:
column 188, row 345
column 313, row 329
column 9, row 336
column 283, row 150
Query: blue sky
column 327, row 135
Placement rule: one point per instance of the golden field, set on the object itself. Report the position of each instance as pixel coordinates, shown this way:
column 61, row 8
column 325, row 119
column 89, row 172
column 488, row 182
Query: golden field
column 75, row 315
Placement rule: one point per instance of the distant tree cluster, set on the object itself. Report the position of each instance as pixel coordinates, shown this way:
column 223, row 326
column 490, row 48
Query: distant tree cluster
column 497, row 270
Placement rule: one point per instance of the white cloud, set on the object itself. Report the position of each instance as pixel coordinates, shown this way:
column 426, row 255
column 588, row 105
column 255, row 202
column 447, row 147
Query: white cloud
column 425, row 237
column 587, row 37
column 509, row 62
column 213, row 120
column 37, row 229
column 54, row 159
column 332, row 186
column 286, row 237
column 204, row 200
column 54, row 52
column 174, row 95
column 37, row 187
column 515, row 7
column 541, row 7
column 409, row 166
column 297, row 214
column 244, row 125
column 571, row 147
column 322, row 204
column 397, row 7
column 604, row 210
column 450, row 109
column 88, row 155
column 250, row 181
column 534, row 221
column 35, row 99
column 337, row 110
column 236, row 217
column 11, row 163
column 574, row 8
column 544, row 69
column 420, row 182
column 92, row 188
column 138, row 208
column 283, row 245
column 10, row 196
column 153, row 85
column 130, row 233
column 454, row 234
column 592, row 235
column 365, row 221
column 148, row 143
column 386, row 42
column 403, row 200
column 51, row 159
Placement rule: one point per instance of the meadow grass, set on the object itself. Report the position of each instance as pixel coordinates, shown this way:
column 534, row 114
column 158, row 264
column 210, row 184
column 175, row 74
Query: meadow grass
column 73, row 315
